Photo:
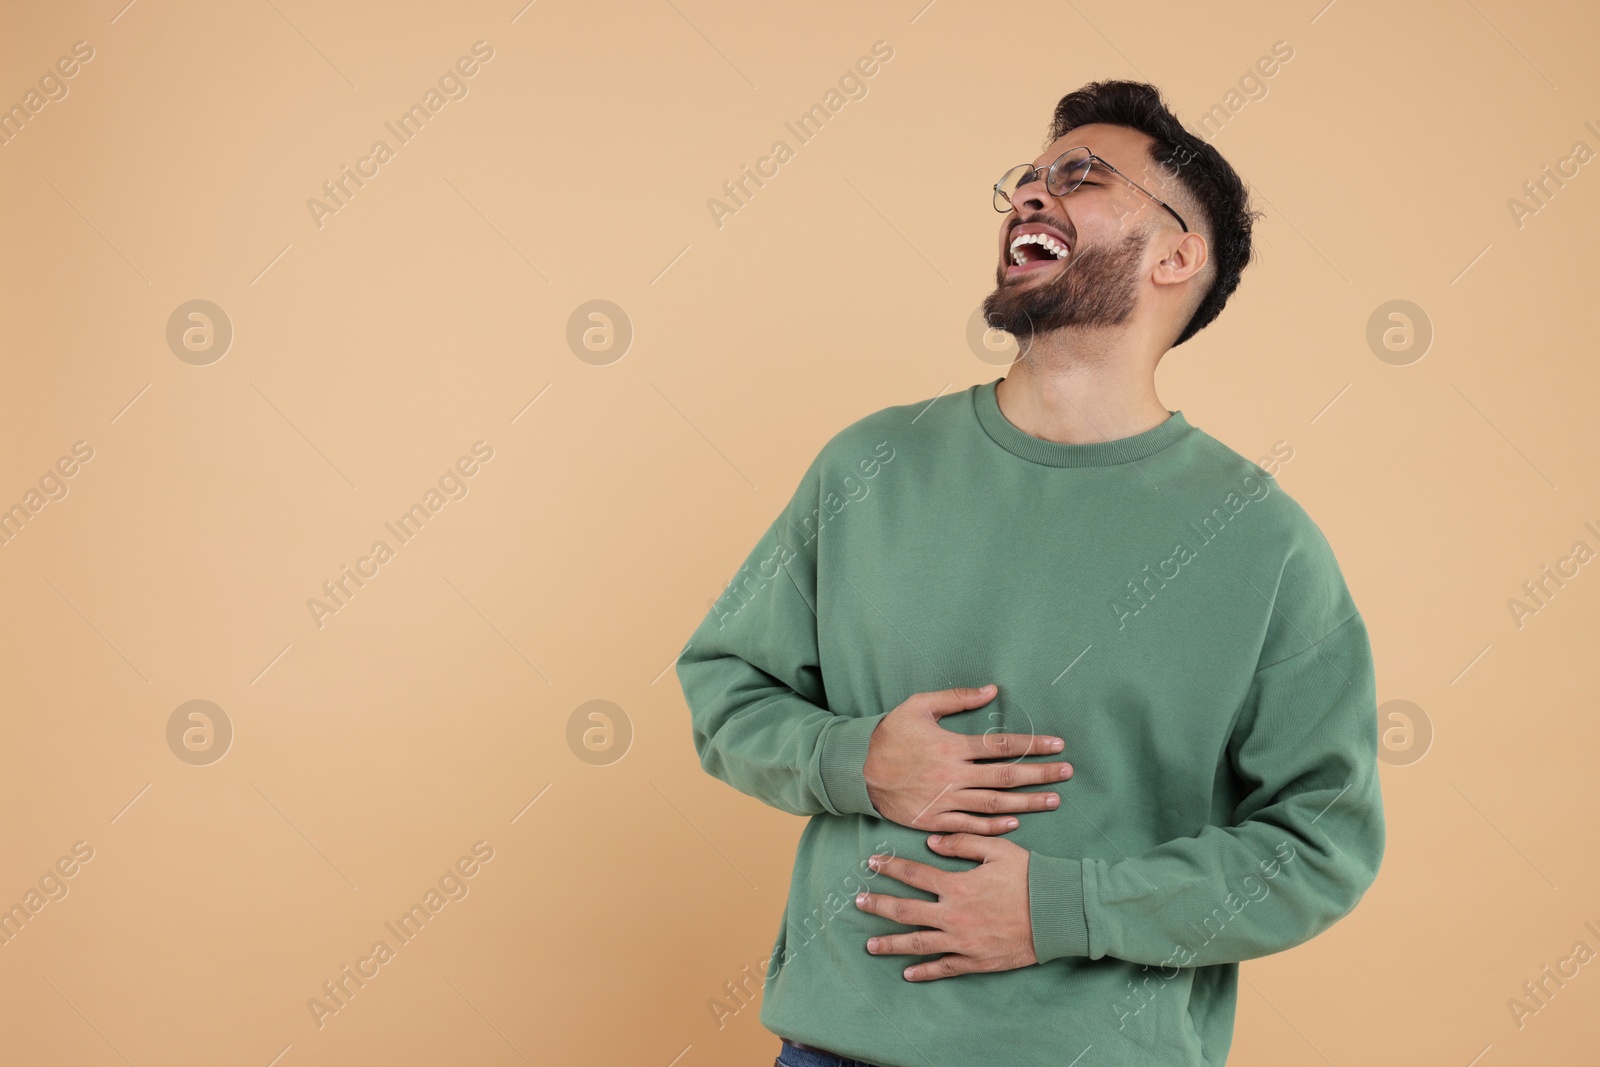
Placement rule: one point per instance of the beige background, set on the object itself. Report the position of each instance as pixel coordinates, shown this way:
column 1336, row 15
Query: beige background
column 432, row 711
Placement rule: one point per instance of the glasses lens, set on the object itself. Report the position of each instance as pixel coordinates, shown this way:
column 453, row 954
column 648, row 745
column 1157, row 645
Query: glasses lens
column 1065, row 175
column 1008, row 184
column 1067, row 172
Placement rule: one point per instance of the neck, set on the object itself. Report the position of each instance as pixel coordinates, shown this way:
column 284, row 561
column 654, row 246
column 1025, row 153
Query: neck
column 1073, row 390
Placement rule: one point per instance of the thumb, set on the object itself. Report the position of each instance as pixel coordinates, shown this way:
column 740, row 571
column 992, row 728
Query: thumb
column 966, row 846
column 951, row 701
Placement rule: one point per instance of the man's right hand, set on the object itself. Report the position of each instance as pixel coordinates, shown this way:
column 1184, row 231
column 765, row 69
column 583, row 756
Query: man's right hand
column 921, row 775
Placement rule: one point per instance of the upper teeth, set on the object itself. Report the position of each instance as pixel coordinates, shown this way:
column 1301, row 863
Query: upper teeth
column 1050, row 244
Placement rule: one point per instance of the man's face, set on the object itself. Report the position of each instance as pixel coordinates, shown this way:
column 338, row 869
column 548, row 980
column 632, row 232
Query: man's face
column 1104, row 224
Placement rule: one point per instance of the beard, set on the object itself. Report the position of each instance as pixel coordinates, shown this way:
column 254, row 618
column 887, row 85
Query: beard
column 1099, row 286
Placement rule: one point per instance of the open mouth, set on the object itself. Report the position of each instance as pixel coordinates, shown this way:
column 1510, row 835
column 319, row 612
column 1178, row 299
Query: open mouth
column 1036, row 250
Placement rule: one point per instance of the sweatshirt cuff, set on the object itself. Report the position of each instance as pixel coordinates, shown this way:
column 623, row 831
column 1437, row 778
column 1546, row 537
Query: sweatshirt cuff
column 1055, row 905
column 843, row 764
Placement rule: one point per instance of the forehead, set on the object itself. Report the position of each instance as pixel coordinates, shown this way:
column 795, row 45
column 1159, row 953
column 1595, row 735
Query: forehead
column 1127, row 150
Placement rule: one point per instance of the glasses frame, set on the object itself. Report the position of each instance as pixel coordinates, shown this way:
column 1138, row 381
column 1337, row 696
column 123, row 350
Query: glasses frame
column 1033, row 173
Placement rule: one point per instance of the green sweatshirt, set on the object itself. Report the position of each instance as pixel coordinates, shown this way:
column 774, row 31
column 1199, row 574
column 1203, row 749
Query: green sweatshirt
column 1157, row 601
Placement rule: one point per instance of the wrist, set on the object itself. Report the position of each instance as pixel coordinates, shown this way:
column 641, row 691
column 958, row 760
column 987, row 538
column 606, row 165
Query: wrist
column 1056, row 907
column 845, row 750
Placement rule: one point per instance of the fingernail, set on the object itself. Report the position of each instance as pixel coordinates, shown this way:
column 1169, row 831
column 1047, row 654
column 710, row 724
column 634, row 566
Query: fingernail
column 861, row 900
column 872, row 944
column 987, row 689
column 934, row 839
column 873, row 861
column 1011, row 824
column 1066, row 770
column 1053, row 800
column 906, row 973
column 1056, row 744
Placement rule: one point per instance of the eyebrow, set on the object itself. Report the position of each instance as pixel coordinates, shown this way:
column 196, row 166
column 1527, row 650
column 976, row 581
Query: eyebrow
column 1098, row 157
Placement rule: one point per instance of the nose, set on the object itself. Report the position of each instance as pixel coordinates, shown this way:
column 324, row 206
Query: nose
column 1031, row 196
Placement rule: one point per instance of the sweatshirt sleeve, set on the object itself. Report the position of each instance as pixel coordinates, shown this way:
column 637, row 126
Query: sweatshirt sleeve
column 1305, row 842
column 750, row 674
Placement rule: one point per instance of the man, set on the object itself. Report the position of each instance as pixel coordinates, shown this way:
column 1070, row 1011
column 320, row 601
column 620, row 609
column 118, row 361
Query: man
column 1177, row 770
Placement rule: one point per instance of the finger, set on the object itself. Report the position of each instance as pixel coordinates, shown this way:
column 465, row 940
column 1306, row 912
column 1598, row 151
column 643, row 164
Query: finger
column 1011, row 775
column 943, row 967
column 944, row 702
column 910, row 872
column 899, row 909
column 959, row 822
column 915, row 943
column 990, row 801
column 968, row 846
column 1005, row 746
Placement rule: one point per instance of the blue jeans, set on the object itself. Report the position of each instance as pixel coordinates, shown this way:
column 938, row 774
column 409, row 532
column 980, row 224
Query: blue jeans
column 790, row 1056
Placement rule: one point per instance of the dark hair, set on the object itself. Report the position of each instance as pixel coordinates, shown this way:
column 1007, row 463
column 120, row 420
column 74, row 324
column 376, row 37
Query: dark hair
column 1198, row 167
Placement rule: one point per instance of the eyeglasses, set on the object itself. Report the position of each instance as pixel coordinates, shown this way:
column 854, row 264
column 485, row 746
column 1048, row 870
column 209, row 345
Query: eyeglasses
column 1064, row 175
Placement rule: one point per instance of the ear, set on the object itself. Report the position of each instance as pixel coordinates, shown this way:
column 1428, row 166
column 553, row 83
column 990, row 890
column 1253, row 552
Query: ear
column 1184, row 259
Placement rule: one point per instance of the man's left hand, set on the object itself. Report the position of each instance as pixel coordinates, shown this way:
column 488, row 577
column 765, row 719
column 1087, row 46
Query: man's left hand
column 981, row 920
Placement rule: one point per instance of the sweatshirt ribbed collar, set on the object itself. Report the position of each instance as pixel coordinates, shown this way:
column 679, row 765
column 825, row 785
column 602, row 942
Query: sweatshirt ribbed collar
column 1057, row 454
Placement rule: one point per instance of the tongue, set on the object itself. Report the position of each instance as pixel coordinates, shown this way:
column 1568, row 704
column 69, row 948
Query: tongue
column 1038, row 251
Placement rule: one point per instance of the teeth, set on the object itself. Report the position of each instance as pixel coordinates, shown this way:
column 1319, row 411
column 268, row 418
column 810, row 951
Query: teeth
column 1044, row 240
